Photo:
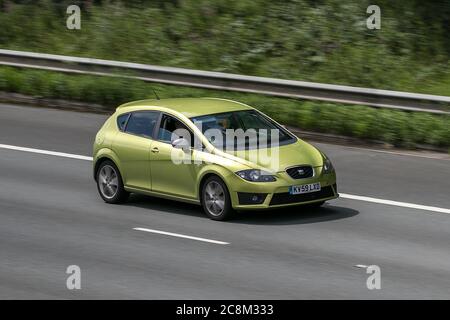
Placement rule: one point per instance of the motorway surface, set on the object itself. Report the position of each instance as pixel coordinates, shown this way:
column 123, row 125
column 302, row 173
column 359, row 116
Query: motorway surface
column 51, row 217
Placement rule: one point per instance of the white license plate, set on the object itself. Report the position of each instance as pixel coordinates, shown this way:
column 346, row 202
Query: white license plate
column 305, row 188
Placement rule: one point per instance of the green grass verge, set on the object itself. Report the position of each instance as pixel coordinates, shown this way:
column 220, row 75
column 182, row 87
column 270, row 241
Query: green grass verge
column 400, row 128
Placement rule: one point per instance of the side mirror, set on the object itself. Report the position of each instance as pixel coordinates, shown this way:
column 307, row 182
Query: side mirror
column 181, row 143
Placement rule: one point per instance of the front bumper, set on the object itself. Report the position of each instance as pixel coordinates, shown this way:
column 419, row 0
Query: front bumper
column 276, row 194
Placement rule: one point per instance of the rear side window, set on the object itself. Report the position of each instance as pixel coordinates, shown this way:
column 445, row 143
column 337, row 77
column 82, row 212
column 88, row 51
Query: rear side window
column 122, row 121
column 142, row 123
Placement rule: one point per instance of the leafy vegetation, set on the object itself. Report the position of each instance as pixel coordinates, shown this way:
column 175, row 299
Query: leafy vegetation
column 313, row 40
column 400, row 128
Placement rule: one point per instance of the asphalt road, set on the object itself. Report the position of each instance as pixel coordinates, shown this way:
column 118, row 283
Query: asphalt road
column 51, row 217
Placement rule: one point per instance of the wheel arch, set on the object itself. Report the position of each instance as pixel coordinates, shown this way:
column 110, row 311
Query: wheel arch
column 104, row 155
column 218, row 172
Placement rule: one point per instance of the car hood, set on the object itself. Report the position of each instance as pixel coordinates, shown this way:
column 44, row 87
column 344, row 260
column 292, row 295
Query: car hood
column 279, row 158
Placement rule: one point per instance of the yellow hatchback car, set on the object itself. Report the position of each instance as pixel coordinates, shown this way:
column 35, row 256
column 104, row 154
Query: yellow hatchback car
column 221, row 154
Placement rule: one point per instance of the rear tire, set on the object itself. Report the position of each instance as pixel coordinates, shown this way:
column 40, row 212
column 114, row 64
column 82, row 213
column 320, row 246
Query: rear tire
column 109, row 183
column 216, row 200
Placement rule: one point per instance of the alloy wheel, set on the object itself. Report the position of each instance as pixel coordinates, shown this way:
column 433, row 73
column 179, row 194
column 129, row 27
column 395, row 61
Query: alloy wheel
column 108, row 181
column 214, row 198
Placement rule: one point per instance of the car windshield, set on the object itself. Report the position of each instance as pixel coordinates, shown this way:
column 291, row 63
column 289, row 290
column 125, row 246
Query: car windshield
column 247, row 129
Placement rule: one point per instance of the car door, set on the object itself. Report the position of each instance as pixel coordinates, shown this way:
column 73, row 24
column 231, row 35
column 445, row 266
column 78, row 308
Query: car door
column 132, row 145
column 173, row 171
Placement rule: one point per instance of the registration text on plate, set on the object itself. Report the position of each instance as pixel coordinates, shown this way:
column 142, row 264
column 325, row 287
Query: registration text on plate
column 305, row 188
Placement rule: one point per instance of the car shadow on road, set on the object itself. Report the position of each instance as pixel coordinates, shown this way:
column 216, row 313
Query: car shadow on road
column 295, row 215
column 281, row 216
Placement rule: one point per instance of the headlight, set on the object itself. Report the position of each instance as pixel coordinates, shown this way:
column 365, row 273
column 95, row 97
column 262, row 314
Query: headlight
column 327, row 166
column 255, row 175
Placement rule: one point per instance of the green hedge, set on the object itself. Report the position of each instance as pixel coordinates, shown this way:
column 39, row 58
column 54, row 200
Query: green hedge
column 400, row 128
column 322, row 41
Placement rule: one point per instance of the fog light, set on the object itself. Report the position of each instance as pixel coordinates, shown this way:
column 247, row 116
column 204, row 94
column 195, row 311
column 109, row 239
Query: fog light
column 251, row 198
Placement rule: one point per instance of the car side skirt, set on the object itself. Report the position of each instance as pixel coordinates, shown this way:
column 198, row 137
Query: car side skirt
column 163, row 195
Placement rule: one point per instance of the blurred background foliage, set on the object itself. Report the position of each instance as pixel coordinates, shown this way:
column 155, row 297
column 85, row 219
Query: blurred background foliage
column 312, row 40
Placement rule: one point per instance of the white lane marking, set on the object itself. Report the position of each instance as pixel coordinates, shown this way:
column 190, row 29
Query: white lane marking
column 181, row 236
column 362, row 266
column 52, row 153
column 430, row 155
column 434, row 156
column 394, row 203
column 342, row 195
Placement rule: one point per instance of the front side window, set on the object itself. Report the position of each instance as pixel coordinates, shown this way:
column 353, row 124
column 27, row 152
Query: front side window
column 171, row 129
column 142, row 123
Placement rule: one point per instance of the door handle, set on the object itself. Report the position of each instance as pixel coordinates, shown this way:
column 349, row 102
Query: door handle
column 155, row 150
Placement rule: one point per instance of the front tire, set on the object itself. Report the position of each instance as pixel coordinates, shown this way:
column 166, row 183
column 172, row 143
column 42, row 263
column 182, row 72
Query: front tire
column 109, row 183
column 216, row 200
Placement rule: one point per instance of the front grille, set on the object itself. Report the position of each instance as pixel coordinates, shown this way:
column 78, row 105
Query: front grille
column 300, row 172
column 285, row 197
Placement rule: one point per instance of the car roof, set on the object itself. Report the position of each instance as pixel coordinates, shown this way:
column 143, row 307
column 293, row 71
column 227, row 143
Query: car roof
column 189, row 107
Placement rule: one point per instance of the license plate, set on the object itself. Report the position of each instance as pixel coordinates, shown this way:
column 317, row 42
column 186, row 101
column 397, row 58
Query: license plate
column 305, row 188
